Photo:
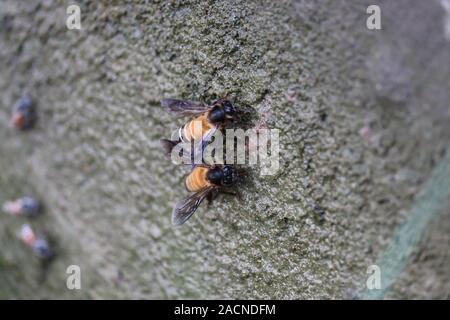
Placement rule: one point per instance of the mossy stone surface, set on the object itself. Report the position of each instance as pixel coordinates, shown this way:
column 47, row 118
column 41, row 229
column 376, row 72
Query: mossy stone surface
column 363, row 118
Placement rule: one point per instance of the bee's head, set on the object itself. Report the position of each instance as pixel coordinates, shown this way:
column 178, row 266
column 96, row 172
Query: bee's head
column 225, row 175
column 229, row 175
column 229, row 109
column 221, row 111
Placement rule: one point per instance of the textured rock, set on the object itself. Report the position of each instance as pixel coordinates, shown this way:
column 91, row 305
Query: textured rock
column 363, row 118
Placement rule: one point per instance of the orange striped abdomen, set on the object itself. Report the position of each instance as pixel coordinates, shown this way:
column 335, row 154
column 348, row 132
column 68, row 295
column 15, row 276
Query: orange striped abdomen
column 196, row 128
column 196, row 180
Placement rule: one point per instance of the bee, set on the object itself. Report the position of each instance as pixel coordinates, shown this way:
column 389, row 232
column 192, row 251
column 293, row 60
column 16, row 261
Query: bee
column 211, row 118
column 205, row 181
column 23, row 113
column 38, row 244
column 25, row 206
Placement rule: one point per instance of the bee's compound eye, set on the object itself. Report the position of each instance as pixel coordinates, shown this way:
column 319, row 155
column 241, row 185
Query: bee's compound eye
column 228, row 106
column 228, row 175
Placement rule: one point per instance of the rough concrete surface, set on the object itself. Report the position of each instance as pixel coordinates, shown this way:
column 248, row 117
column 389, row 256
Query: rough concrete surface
column 363, row 118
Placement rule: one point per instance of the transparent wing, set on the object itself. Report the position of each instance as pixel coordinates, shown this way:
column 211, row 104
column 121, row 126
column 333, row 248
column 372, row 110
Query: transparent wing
column 187, row 207
column 189, row 154
column 199, row 148
column 183, row 107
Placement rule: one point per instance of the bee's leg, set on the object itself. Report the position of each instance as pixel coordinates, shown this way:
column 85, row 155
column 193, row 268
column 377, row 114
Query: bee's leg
column 210, row 198
column 232, row 193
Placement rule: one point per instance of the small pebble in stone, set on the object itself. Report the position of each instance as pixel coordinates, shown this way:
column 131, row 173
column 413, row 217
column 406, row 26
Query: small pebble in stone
column 38, row 244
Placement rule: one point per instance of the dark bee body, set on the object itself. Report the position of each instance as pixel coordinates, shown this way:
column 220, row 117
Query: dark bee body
column 24, row 114
column 203, row 180
column 25, row 206
column 38, row 244
column 207, row 120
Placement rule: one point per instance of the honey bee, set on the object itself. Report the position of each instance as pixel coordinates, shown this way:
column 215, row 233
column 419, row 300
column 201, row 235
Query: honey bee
column 25, row 206
column 23, row 114
column 205, row 181
column 211, row 118
column 39, row 245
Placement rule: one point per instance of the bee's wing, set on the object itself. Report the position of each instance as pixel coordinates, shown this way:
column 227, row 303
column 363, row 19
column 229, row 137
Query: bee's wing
column 186, row 207
column 183, row 107
column 199, row 148
column 194, row 156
